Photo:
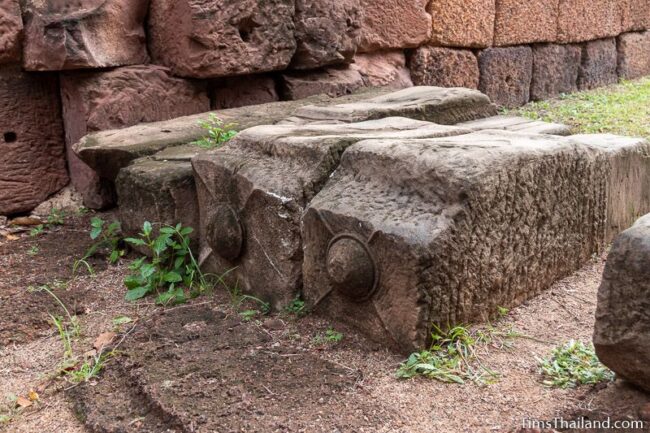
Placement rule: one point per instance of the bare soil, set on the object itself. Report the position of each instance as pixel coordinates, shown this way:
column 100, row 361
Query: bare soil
column 200, row 367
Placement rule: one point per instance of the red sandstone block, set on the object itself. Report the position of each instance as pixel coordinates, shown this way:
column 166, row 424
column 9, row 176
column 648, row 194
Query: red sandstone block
column 79, row 34
column 386, row 69
column 467, row 23
column 444, row 67
column 11, row 30
column 394, row 24
column 524, row 22
column 241, row 91
column 555, row 70
column 212, row 39
column 634, row 55
column 586, row 20
column 32, row 161
column 599, row 62
column 330, row 81
column 116, row 99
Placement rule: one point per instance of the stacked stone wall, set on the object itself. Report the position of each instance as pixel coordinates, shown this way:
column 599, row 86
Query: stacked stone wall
column 69, row 67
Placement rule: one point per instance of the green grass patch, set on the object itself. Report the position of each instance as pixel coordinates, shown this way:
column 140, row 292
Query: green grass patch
column 573, row 364
column 619, row 109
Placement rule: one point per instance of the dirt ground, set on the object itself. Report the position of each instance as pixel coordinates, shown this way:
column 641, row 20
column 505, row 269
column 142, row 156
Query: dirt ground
column 200, row 367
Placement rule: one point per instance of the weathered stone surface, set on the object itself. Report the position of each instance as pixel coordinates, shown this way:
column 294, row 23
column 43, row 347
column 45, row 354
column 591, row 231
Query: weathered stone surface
column 523, row 22
column 327, row 32
column 116, row 99
column 77, row 34
column 636, row 15
column 599, row 63
column 555, row 70
column 445, row 106
column 634, row 55
column 240, row 91
column 412, row 232
column 387, row 69
column 628, row 178
column 108, row 151
column 516, row 124
column 11, row 31
column 217, row 39
column 444, row 67
column 332, row 82
column 390, row 24
column 32, row 161
column 506, row 75
column 252, row 194
column 586, row 20
column 468, row 23
column 158, row 190
column 622, row 332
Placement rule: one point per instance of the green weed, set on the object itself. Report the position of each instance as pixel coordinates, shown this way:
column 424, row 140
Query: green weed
column 455, row 356
column 171, row 269
column 296, row 307
column 218, row 133
column 331, row 336
column 33, row 251
column 37, row 230
column 573, row 364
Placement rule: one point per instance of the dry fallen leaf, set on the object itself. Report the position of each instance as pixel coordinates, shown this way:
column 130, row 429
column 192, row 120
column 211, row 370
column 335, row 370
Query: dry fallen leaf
column 33, row 395
column 25, row 221
column 12, row 237
column 104, row 340
column 23, row 402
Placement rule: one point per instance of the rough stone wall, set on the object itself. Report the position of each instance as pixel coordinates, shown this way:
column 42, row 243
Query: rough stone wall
column 159, row 59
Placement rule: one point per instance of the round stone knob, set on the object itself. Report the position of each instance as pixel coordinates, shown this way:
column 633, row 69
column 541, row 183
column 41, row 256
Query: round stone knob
column 225, row 234
column 351, row 268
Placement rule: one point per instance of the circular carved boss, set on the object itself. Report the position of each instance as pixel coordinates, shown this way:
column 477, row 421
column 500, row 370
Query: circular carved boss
column 351, row 267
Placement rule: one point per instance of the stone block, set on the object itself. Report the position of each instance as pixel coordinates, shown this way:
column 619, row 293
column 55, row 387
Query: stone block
column 11, row 31
column 327, row 32
column 634, row 55
column 506, row 75
column 628, row 178
column 161, row 190
column 444, row 67
column 622, row 331
column 252, row 194
column 555, row 70
column 109, row 151
column 636, row 15
column 116, row 99
column 516, row 124
column 32, row 161
column 410, row 233
column 332, row 82
column 524, row 22
column 586, row 20
column 599, row 64
column 389, row 24
column 386, row 69
column 241, row 91
column 445, row 106
column 218, row 39
column 61, row 34
column 465, row 24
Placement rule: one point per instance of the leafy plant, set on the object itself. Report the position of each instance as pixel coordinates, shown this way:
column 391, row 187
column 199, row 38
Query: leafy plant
column 218, row 133
column 106, row 237
column 296, row 307
column 454, row 356
column 573, row 364
column 171, row 269
column 33, row 251
column 331, row 336
column 56, row 217
column 37, row 230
